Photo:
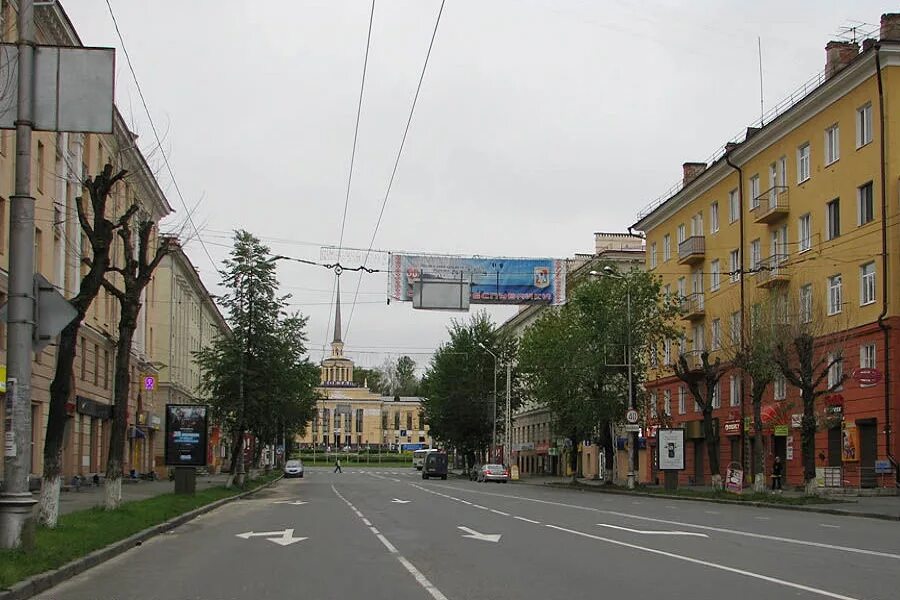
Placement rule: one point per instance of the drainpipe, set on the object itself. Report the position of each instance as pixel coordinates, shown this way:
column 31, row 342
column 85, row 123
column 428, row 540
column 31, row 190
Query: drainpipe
column 741, row 268
column 885, row 328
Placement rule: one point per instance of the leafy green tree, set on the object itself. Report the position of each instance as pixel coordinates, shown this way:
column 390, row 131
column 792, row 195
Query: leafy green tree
column 398, row 378
column 369, row 377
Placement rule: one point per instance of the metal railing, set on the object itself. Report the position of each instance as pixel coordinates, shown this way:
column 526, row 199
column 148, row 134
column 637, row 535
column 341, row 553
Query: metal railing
column 693, row 304
column 772, row 269
column 772, row 201
column 692, row 246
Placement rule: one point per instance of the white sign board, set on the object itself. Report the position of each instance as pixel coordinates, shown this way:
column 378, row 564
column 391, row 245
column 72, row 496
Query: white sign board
column 632, row 416
column 671, row 449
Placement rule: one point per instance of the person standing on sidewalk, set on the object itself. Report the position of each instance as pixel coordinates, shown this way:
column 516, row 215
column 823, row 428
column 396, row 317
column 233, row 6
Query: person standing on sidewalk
column 776, row 474
column 337, row 466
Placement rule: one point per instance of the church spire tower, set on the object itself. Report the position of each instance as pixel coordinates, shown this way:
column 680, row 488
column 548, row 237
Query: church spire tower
column 337, row 344
column 337, row 370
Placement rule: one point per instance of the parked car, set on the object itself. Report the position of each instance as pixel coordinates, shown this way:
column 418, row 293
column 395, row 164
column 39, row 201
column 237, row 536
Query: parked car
column 493, row 473
column 293, row 468
column 435, row 465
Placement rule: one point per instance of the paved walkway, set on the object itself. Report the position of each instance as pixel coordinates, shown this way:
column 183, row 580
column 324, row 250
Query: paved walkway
column 91, row 496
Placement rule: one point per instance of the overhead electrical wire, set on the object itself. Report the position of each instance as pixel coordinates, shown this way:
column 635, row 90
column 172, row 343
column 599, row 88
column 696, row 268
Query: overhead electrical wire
column 390, row 185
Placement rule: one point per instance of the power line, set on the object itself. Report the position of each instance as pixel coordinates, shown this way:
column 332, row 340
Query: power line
column 156, row 135
column 387, row 193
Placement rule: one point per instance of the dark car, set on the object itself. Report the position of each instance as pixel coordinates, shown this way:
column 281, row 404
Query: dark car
column 435, row 465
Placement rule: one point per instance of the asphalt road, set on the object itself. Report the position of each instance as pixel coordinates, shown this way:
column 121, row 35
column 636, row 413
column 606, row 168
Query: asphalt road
column 390, row 535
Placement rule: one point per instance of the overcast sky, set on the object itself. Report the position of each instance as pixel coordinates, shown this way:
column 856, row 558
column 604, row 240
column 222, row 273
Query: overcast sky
column 539, row 122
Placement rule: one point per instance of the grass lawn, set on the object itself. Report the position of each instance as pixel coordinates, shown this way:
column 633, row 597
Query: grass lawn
column 80, row 533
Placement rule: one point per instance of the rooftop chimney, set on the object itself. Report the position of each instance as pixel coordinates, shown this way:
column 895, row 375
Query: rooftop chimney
column 839, row 54
column 692, row 170
column 890, row 26
column 731, row 146
column 868, row 44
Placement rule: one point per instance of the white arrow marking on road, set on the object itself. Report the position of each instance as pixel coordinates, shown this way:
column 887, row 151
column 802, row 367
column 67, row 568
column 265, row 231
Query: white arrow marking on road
column 690, row 533
column 399, row 501
column 292, row 502
column 282, row 538
column 484, row 537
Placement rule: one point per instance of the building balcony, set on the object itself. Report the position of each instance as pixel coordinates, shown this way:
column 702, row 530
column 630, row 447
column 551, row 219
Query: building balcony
column 692, row 250
column 693, row 307
column 773, row 271
column 771, row 206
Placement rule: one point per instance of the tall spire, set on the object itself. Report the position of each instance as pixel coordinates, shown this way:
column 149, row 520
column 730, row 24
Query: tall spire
column 337, row 312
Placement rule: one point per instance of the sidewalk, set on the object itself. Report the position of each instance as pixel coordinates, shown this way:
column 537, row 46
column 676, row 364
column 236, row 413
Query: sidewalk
column 90, row 496
column 882, row 507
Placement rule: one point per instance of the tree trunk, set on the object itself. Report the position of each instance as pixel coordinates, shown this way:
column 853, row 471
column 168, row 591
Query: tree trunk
column 122, row 380
column 808, row 440
column 573, row 457
column 759, row 478
column 712, row 446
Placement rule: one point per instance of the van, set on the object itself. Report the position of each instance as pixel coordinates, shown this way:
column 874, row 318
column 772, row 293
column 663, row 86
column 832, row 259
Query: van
column 435, row 465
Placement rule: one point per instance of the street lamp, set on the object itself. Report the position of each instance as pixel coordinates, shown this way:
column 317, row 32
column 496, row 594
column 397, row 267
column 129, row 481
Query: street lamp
column 494, row 434
column 612, row 273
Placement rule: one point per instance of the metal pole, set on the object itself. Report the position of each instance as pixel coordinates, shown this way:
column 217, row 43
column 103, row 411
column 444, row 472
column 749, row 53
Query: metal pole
column 494, row 435
column 632, row 450
column 506, row 445
column 16, row 502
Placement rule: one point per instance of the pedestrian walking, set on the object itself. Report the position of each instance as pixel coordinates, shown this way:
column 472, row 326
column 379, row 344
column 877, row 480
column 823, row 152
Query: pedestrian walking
column 337, row 466
column 777, row 468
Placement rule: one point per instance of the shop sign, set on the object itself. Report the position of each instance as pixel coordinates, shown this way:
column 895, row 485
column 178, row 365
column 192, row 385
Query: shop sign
column 796, row 420
column 733, row 427
column 734, row 480
column 92, row 408
column 849, row 443
column 834, row 410
column 553, row 452
column 781, row 430
column 866, row 376
column 883, row 467
column 155, row 422
column 142, row 418
column 2, row 379
column 542, row 448
column 789, row 449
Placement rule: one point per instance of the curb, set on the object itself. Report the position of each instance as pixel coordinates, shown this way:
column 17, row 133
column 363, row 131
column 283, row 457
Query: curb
column 48, row 579
column 756, row 504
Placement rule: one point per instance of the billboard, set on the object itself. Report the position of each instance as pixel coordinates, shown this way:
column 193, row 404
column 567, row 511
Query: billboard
column 492, row 280
column 670, row 443
column 186, row 427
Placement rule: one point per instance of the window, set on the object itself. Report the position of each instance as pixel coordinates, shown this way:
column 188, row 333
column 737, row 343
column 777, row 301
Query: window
column 38, row 250
column 734, row 391
column 40, row 166
column 755, row 256
column 699, row 338
column 667, row 290
column 754, row 192
column 716, row 336
column 696, row 405
column 867, row 283
column 833, row 219
column 867, row 356
column 667, row 352
column 3, row 228
column 832, row 144
column 681, row 398
column 734, row 209
column 653, row 400
column 105, row 369
column 835, row 371
column 779, row 387
column 803, row 163
column 835, row 294
column 755, row 315
column 780, row 243
column 735, row 326
column 782, row 171
column 865, row 204
column 681, row 233
column 682, row 287
column 714, row 275
column 96, row 364
column 653, row 255
column 654, row 357
column 717, row 396
column 735, row 265
column 83, row 353
column 667, row 247
column 804, row 232
column 863, row 125
column 773, row 181
column 667, row 402
column 714, row 217
column 806, row 303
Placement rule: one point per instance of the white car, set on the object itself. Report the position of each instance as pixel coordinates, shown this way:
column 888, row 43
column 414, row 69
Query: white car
column 293, row 468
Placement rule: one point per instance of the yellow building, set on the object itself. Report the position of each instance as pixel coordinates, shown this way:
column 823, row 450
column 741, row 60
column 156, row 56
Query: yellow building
column 801, row 213
column 349, row 415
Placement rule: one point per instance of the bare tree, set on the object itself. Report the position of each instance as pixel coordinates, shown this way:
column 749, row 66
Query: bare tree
column 135, row 274
column 99, row 230
column 702, row 379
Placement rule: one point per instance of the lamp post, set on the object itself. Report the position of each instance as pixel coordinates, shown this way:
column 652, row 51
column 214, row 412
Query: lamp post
column 494, row 434
column 609, row 271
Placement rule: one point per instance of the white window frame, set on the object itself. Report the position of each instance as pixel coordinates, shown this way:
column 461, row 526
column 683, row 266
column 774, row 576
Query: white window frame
column 833, row 219
column 734, row 325
column 653, row 255
column 681, row 233
column 734, row 391
column 779, row 388
column 867, row 283
column 867, row 356
column 697, row 224
column 667, row 352
column 715, row 269
column 714, row 217
column 803, row 160
column 667, row 402
column 716, row 396
column 754, row 192
column 682, row 287
column 804, row 232
column 755, row 254
column 734, row 208
column 835, row 371
column 835, row 294
column 864, row 125
column 653, row 400
column 832, row 144
column 699, row 337
column 716, row 335
column 682, row 394
column 867, row 216
column 667, row 248
column 734, row 258
column 806, row 296
column 782, row 171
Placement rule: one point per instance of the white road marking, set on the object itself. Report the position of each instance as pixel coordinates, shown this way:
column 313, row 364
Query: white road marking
column 711, row 565
column 417, row 575
column 399, row 501
column 483, row 537
column 689, row 533
column 761, row 536
column 282, row 538
column 393, row 479
column 499, row 512
column 528, row 520
column 711, row 512
column 763, row 518
column 367, row 522
column 293, row 502
column 480, row 506
column 831, row 526
column 670, row 506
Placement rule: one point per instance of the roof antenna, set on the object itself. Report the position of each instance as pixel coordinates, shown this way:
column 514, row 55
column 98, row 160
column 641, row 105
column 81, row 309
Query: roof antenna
column 761, row 109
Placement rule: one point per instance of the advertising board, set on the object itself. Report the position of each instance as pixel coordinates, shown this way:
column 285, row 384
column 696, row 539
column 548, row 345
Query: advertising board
column 186, row 427
column 670, row 444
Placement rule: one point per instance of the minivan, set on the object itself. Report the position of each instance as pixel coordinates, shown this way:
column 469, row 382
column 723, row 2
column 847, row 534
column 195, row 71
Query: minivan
column 435, row 465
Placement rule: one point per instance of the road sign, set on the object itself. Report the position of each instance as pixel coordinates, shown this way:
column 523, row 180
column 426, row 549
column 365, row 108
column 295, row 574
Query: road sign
column 631, row 416
column 52, row 312
column 484, row 537
column 149, row 383
column 279, row 450
column 631, row 427
column 282, row 538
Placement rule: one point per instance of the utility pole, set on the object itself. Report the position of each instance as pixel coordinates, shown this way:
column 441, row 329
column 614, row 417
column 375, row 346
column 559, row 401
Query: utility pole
column 16, row 502
column 494, row 434
column 508, row 445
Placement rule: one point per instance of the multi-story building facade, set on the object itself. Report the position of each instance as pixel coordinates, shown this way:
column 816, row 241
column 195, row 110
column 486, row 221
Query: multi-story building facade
column 349, row 415
column 800, row 216
column 535, row 447
column 182, row 319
